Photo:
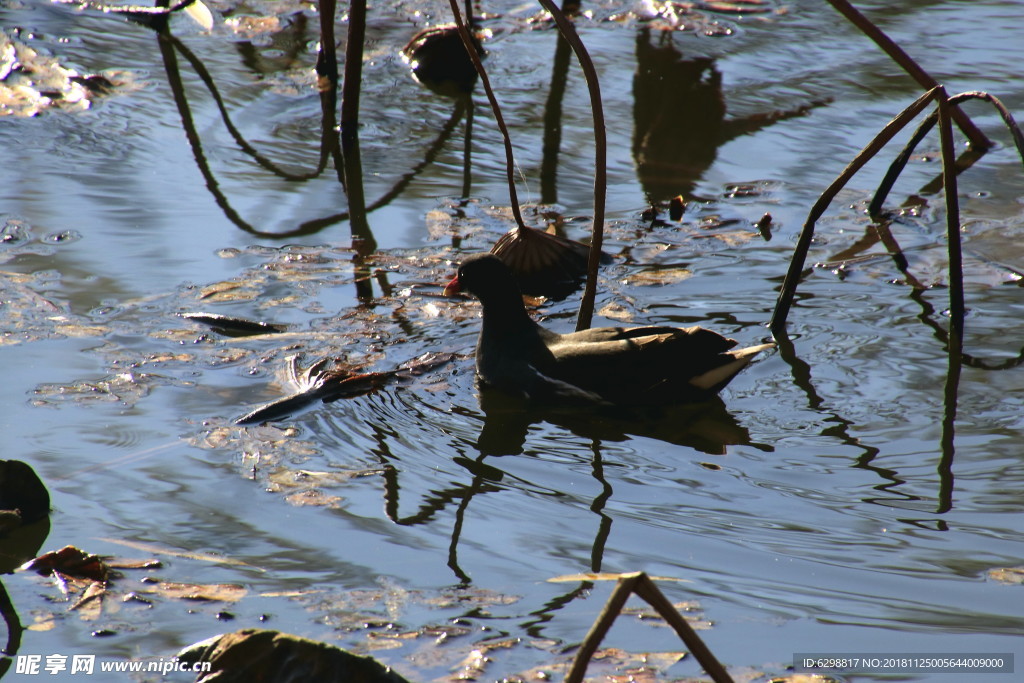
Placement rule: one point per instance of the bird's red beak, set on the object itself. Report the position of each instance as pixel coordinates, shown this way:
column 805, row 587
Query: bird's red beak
column 453, row 287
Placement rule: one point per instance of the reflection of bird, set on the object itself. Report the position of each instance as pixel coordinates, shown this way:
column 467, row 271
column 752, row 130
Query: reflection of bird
column 706, row 426
column 610, row 365
column 679, row 118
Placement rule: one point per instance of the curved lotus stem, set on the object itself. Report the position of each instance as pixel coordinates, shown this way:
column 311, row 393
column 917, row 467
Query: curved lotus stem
column 467, row 42
column 567, row 29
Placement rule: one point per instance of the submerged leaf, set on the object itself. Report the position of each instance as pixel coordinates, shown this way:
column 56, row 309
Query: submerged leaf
column 313, row 497
column 661, row 276
column 161, row 550
column 216, row 592
column 615, row 311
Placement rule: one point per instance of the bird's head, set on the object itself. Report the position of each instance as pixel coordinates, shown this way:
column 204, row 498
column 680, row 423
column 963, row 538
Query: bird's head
column 483, row 275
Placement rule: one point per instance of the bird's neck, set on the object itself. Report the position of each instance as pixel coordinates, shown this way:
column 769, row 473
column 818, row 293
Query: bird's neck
column 506, row 316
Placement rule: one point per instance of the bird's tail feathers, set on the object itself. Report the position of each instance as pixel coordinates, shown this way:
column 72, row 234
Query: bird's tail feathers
column 717, row 378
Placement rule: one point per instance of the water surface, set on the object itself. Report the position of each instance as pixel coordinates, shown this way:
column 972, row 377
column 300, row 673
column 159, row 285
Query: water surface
column 813, row 510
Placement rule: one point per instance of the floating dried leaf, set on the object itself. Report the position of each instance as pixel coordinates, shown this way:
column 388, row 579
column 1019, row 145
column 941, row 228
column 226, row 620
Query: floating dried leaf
column 43, row 622
column 231, row 325
column 332, row 384
column 166, row 357
column 70, row 561
column 31, row 82
column 1008, row 575
column 229, row 290
column 79, row 330
column 90, row 605
column 254, row 654
column 134, row 564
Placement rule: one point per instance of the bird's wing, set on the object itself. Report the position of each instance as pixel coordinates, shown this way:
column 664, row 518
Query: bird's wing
column 550, row 388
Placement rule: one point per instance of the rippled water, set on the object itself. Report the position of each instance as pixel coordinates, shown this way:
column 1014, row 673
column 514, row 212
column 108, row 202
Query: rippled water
column 813, row 510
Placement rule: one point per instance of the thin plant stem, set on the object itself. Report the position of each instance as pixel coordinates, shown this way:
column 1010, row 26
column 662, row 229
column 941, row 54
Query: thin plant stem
column 327, row 55
column 899, row 163
column 328, row 137
column 963, row 162
column 568, row 31
column 612, row 608
column 645, row 588
column 915, row 71
column 956, row 270
column 946, row 441
column 353, row 72
column 1004, row 113
column 796, row 264
column 510, row 163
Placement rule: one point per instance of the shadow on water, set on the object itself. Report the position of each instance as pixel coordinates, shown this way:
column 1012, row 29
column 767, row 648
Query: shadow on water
column 841, row 426
column 24, row 527
column 679, row 117
column 879, row 232
column 706, row 427
column 19, row 546
column 505, row 421
column 347, row 162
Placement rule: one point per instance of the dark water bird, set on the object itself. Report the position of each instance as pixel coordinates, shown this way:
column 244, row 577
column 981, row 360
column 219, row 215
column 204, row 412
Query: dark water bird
column 599, row 366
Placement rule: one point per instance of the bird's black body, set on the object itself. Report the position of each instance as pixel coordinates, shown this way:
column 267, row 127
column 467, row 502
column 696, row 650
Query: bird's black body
column 608, row 365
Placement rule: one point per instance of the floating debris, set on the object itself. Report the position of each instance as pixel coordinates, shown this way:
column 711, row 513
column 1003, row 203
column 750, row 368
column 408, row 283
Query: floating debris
column 31, row 82
column 332, row 384
column 232, row 326
column 275, row 657
column 439, row 61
